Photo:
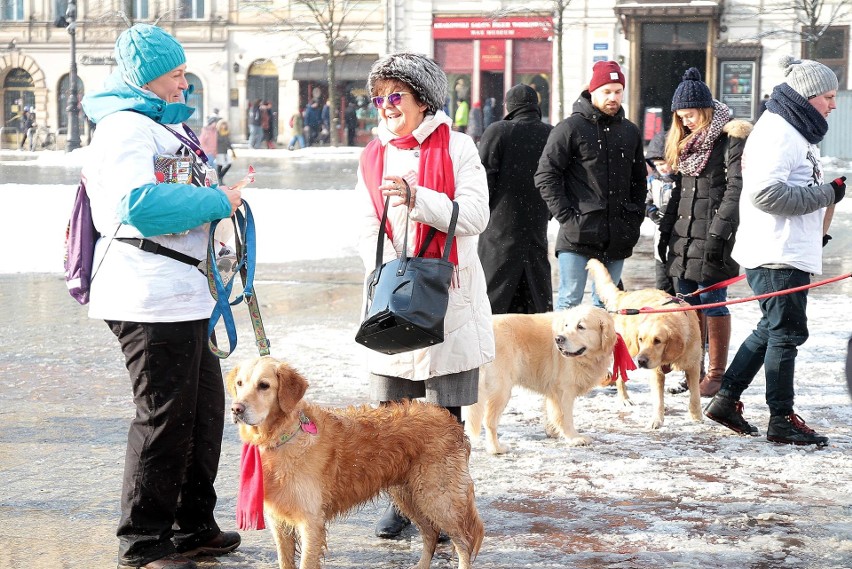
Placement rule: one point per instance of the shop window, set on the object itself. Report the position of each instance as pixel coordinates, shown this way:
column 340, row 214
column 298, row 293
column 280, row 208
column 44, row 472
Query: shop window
column 191, row 9
column 831, row 49
column 136, row 9
column 11, row 10
column 63, row 93
column 196, row 101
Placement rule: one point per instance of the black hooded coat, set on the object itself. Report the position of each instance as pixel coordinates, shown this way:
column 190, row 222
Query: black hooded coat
column 513, row 248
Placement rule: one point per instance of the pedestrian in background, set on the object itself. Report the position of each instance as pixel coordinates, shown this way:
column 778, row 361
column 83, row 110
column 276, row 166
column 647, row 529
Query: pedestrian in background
column 513, row 248
column 784, row 214
column 474, row 125
column 661, row 182
column 462, row 116
column 267, row 119
column 350, row 118
column 297, row 126
column 489, row 112
column 313, row 122
column 595, row 190
column 224, row 149
column 440, row 166
column 207, row 138
column 699, row 227
column 157, row 307
column 255, row 125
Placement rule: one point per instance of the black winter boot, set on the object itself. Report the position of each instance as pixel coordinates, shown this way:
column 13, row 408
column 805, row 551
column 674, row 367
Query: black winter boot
column 792, row 430
column 728, row 411
column 391, row 523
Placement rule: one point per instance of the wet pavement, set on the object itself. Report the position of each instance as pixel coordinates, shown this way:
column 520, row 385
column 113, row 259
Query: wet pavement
column 697, row 499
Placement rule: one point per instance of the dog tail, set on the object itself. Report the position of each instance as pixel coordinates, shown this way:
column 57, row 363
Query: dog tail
column 473, row 528
column 604, row 287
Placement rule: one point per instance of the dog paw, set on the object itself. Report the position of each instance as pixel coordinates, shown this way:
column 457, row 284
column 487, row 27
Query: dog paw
column 579, row 441
column 627, row 402
column 496, row 449
column 655, row 423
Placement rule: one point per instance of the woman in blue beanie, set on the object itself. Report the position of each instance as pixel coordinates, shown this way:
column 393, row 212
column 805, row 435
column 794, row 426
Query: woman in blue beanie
column 157, row 306
column 704, row 147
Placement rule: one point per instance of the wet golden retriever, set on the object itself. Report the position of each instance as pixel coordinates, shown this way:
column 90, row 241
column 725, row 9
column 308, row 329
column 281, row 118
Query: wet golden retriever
column 416, row 452
column 660, row 341
column 560, row 355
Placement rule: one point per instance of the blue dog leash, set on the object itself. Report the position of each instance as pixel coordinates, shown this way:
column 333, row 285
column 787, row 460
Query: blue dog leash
column 245, row 239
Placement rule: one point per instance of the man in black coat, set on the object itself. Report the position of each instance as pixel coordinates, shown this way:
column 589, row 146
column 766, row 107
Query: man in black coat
column 592, row 177
column 513, row 248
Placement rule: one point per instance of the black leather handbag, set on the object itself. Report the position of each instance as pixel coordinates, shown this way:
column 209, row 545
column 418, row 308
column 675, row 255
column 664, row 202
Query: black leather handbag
column 407, row 297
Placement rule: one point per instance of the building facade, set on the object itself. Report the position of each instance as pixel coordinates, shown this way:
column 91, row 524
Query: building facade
column 240, row 51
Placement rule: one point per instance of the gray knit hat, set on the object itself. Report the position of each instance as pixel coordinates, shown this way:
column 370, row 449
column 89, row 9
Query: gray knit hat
column 807, row 77
column 421, row 73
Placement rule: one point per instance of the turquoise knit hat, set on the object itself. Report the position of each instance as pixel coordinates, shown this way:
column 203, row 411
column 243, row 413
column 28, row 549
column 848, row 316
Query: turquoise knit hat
column 144, row 52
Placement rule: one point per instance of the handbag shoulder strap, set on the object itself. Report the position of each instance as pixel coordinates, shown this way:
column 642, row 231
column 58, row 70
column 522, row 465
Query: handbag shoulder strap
column 451, row 234
column 380, row 244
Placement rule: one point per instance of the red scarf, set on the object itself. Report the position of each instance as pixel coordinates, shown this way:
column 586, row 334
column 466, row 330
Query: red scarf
column 621, row 359
column 250, row 494
column 435, row 172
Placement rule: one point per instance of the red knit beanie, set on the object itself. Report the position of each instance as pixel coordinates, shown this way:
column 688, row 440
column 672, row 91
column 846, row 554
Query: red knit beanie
column 605, row 72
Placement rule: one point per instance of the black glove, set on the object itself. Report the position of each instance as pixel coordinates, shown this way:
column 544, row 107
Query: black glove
column 839, row 186
column 825, row 239
column 714, row 250
column 663, row 246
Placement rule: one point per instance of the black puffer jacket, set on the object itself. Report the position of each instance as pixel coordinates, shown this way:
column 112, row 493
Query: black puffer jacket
column 592, row 177
column 705, row 205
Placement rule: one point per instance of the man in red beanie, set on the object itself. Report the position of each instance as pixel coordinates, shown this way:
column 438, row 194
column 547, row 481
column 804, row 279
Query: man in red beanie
column 592, row 176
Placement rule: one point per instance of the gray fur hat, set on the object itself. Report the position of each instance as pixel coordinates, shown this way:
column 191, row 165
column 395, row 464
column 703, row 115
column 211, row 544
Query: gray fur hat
column 421, row 73
column 807, row 77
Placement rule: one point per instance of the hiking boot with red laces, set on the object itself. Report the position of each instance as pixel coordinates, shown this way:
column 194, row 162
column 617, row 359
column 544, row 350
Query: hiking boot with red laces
column 728, row 411
column 792, row 430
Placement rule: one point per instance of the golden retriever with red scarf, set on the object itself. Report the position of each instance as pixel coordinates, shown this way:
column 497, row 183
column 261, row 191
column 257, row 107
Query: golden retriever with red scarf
column 415, row 451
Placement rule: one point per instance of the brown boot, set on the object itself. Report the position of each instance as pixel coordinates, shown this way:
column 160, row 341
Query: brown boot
column 719, row 335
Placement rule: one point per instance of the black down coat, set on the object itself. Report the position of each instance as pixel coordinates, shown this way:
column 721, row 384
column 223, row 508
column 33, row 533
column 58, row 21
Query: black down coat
column 514, row 245
column 592, row 175
column 704, row 205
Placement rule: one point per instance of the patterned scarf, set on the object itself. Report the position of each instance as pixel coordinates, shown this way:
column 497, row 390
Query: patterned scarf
column 797, row 111
column 435, row 172
column 695, row 153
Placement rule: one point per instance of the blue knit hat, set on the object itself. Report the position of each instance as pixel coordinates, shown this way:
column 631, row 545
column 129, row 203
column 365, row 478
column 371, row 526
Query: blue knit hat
column 692, row 93
column 144, row 52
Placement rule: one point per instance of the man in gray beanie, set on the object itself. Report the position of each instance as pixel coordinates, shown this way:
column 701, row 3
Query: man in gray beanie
column 513, row 248
column 785, row 210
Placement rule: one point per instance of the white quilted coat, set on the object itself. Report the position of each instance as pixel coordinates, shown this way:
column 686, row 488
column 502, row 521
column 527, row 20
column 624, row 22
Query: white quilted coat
column 468, row 336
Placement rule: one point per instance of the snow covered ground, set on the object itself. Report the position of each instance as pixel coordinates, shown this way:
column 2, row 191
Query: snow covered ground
column 688, row 495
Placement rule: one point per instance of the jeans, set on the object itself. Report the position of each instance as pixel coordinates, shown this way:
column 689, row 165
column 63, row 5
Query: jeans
column 573, row 275
column 255, row 136
column 174, row 441
column 709, row 297
column 774, row 342
column 297, row 138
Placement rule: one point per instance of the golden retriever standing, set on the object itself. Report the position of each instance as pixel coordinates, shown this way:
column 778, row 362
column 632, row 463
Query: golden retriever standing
column 560, row 355
column 416, row 452
column 661, row 341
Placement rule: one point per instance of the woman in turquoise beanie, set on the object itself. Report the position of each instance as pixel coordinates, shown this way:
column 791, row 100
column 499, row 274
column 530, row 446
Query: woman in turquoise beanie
column 149, row 186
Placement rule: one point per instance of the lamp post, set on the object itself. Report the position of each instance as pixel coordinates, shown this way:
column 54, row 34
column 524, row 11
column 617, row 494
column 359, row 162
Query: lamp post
column 72, row 142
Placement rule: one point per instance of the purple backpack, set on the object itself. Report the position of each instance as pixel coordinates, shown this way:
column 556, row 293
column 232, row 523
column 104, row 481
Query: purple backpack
column 80, row 239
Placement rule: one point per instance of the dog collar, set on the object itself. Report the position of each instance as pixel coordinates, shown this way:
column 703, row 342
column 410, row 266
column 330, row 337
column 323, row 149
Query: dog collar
column 305, row 424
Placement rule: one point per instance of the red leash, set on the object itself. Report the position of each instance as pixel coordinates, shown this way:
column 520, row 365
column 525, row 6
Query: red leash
column 722, row 284
column 648, row 310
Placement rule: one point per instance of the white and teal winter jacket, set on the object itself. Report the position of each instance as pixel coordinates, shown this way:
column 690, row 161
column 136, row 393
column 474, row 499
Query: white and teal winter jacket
column 131, row 284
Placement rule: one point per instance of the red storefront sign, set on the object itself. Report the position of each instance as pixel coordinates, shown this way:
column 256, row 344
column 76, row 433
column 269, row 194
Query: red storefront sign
column 492, row 55
column 482, row 28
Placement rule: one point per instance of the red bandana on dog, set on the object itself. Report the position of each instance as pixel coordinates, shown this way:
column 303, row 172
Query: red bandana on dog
column 250, row 494
column 621, row 359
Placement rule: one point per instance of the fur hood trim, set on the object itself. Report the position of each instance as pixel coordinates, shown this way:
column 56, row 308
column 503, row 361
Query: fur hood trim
column 738, row 128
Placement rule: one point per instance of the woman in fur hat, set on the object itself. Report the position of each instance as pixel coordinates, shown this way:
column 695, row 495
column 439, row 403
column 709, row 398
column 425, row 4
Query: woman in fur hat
column 415, row 145
column 705, row 147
